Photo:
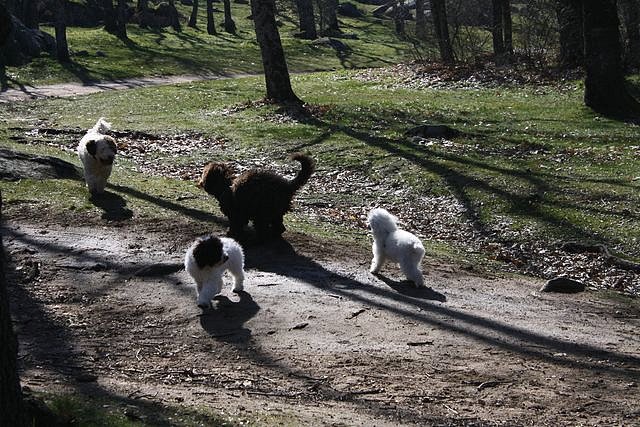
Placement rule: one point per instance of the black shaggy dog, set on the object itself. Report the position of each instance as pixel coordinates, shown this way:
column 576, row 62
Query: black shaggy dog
column 256, row 195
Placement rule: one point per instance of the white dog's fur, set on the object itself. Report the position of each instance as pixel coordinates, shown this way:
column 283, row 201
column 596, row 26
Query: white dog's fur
column 97, row 151
column 396, row 245
column 206, row 261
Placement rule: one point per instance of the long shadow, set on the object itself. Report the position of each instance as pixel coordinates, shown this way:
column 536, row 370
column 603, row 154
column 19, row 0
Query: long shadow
column 166, row 204
column 405, row 287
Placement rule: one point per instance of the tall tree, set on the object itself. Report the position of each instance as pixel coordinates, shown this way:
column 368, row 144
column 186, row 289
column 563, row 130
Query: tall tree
column 441, row 26
column 194, row 15
column 329, row 17
column 276, row 73
column 6, row 26
column 570, row 23
column 229, row 25
column 211, row 25
column 142, row 9
column 12, row 411
column 110, row 18
column 307, row 19
column 30, row 14
column 62, row 47
column 121, row 20
column 605, row 89
column 501, row 31
column 631, row 16
column 421, row 21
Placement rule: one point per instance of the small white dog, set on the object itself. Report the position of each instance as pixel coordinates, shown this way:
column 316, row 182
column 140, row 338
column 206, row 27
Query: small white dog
column 394, row 244
column 206, row 261
column 97, row 151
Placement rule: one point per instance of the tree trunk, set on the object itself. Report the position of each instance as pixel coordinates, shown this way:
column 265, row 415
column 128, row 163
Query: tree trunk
column 62, row 48
column 329, row 16
column 30, row 14
column 229, row 25
column 276, row 74
column 12, row 411
column 110, row 20
column 121, row 20
column 307, row 20
column 570, row 22
column 421, row 22
column 194, row 15
column 605, row 90
column 507, row 27
column 631, row 16
column 441, row 25
column 5, row 30
column 211, row 25
column 142, row 10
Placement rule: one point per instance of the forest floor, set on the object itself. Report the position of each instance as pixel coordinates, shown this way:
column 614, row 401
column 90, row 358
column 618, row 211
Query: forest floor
column 103, row 310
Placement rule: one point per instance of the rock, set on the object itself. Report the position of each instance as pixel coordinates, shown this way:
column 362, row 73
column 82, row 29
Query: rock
column 433, row 131
column 350, row 10
column 15, row 166
column 563, row 285
column 23, row 44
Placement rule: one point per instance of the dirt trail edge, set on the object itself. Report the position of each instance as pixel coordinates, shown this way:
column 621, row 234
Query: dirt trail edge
column 28, row 92
column 315, row 339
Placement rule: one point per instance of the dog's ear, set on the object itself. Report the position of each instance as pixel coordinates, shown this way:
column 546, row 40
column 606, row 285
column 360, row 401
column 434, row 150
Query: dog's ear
column 92, row 147
column 112, row 144
column 225, row 258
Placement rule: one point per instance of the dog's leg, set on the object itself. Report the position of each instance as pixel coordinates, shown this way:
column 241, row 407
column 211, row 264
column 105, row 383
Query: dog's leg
column 262, row 228
column 236, row 225
column 238, row 278
column 412, row 272
column 210, row 288
column 278, row 226
column 378, row 259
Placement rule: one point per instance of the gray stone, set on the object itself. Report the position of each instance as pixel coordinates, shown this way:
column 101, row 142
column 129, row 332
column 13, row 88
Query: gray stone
column 15, row 165
column 563, row 285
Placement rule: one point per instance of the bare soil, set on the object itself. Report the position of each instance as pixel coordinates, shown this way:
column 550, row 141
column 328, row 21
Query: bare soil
column 102, row 308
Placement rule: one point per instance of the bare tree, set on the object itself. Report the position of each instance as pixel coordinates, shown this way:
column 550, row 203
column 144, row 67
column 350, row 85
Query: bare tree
column 211, row 26
column 6, row 26
column 62, row 47
column 605, row 88
column 121, row 20
column 229, row 25
column 631, row 17
column 12, row 410
column 421, row 21
column 307, row 19
column 328, row 17
column 502, row 31
column 441, row 25
column 276, row 73
column 30, row 14
column 194, row 15
column 571, row 26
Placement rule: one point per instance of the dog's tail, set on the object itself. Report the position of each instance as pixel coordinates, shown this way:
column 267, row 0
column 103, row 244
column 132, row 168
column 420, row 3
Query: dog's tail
column 102, row 126
column 308, row 166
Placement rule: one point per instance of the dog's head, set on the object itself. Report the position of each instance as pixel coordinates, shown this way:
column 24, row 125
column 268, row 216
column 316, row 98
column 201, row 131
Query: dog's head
column 102, row 148
column 208, row 252
column 216, row 178
column 381, row 221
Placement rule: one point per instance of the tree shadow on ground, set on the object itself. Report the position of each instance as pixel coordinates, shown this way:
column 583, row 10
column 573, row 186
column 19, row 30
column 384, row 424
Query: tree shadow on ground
column 407, row 288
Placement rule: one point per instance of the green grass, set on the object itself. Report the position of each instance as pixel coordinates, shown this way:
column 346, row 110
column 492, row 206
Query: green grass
column 193, row 51
column 533, row 155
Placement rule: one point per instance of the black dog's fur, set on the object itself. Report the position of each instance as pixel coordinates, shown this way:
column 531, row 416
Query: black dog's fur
column 256, row 195
column 208, row 252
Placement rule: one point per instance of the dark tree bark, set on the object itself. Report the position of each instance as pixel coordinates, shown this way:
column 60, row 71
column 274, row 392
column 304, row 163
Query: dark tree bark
column 570, row 22
column 110, row 19
column 329, row 17
column 276, row 73
column 5, row 29
column 398, row 17
column 194, row 15
column 211, row 25
column 441, row 25
column 421, row 21
column 121, row 20
column 631, row 16
column 62, row 48
column 12, row 411
column 142, row 9
column 307, row 20
column 229, row 25
column 605, row 89
column 501, row 31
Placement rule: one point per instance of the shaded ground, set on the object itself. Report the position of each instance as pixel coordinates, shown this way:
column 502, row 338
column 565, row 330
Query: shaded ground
column 315, row 339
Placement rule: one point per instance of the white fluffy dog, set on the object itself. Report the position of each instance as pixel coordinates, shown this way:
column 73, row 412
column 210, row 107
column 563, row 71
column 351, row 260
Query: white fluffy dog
column 97, row 151
column 396, row 245
column 206, row 261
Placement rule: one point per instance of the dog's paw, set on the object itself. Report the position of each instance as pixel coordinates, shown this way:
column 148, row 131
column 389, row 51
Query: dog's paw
column 204, row 305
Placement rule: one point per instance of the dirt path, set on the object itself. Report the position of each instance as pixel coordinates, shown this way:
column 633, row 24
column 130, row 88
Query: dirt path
column 27, row 92
column 316, row 339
